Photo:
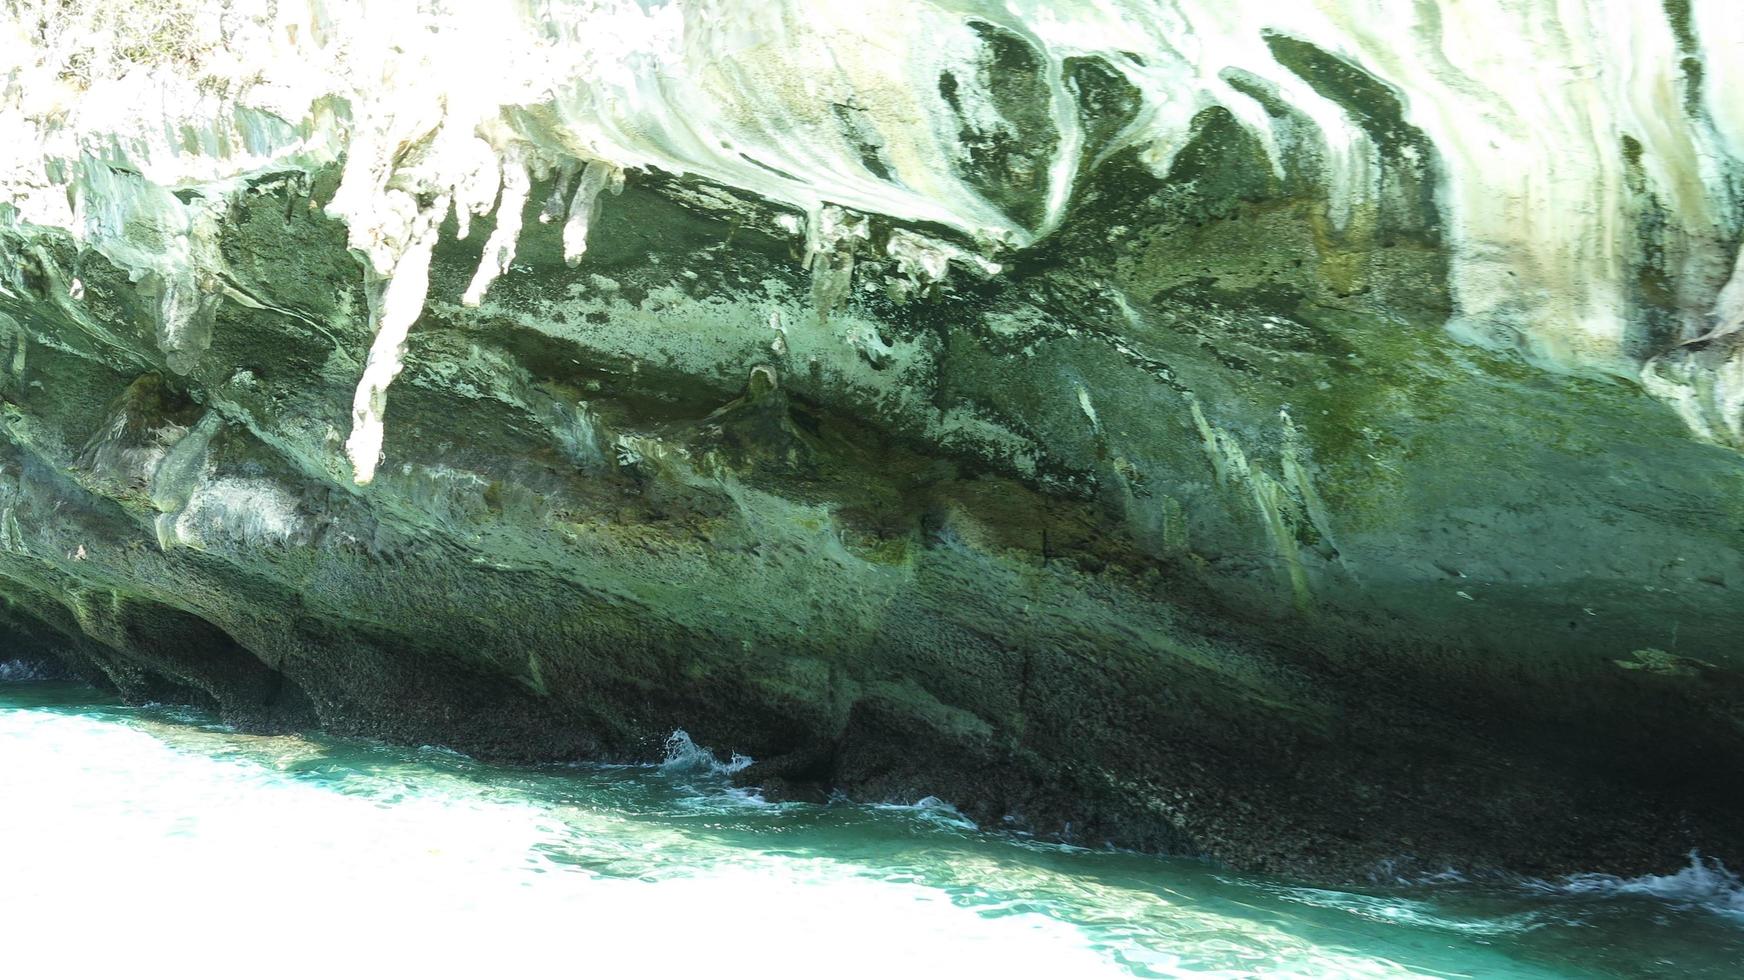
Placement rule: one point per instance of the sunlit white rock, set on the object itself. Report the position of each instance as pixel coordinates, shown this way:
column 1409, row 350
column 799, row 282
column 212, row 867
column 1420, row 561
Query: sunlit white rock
column 1527, row 104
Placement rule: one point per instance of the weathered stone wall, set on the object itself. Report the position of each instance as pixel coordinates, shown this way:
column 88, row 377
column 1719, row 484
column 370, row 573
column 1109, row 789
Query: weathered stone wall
column 1190, row 530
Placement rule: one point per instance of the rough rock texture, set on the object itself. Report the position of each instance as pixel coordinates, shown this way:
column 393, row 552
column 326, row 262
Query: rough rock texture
column 1190, row 527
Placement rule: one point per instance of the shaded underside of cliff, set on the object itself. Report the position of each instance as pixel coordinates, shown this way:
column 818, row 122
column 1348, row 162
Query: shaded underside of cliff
column 1190, row 530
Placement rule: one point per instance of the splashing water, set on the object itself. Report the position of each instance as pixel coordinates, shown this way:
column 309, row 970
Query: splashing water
column 18, row 670
column 684, row 755
column 1706, row 883
column 142, row 836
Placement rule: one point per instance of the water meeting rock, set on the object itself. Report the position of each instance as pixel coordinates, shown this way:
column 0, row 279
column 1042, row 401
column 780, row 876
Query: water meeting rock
column 1308, row 438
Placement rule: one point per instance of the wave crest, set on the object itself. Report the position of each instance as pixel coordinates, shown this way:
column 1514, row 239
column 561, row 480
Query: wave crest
column 1706, row 883
column 684, row 755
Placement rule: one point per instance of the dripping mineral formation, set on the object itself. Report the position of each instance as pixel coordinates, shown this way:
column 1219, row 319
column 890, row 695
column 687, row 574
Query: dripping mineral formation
column 1304, row 434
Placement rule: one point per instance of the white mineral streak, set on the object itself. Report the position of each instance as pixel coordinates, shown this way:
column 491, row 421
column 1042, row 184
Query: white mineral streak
column 1720, row 29
column 499, row 249
column 926, row 260
column 836, row 109
column 400, row 302
column 832, row 237
column 584, row 207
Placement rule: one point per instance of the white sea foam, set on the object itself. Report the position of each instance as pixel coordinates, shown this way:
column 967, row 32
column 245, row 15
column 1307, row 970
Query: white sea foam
column 1414, row 912
column 932, row 810
column 396, row 870
column 1705, row 883
column 367, row 860
column 685, row 756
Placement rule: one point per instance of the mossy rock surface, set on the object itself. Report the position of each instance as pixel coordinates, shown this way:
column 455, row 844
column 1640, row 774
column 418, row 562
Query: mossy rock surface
column 1192, row 531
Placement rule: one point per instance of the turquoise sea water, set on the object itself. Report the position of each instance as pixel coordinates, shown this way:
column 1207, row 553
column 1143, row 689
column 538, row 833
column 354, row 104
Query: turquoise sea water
column 152, row 839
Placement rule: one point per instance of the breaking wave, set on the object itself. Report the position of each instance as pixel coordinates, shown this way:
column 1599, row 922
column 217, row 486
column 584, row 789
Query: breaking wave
column 1705, row 884
column 931, row 811
column 685, row 756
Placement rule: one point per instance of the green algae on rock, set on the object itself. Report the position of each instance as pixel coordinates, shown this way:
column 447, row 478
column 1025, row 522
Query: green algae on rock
column 1263, row 474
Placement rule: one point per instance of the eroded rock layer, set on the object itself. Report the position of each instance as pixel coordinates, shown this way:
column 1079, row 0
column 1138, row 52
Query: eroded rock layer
column 1303, row 437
